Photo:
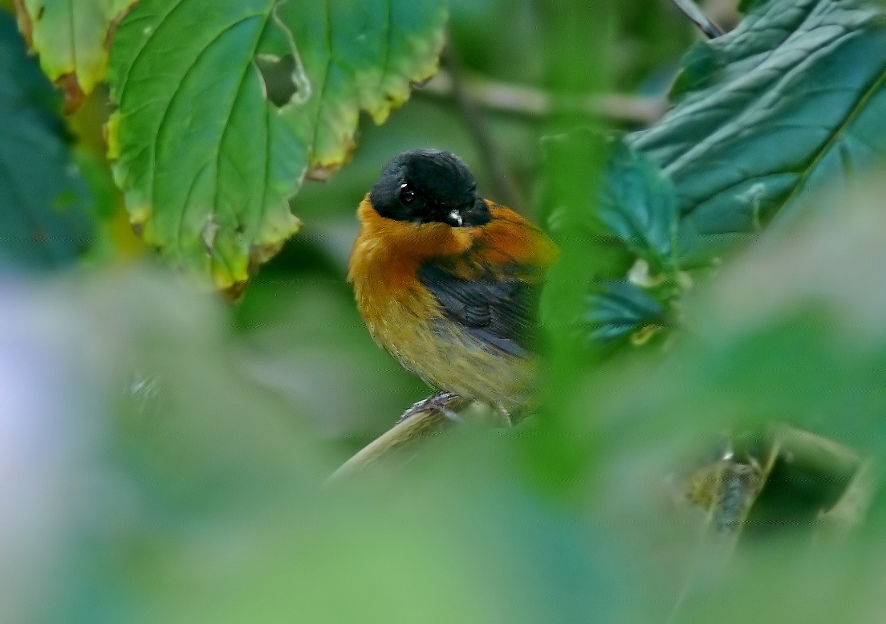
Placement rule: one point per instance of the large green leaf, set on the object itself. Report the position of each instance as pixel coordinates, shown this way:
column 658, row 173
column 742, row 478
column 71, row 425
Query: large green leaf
column 44, row 217
column 359, row 56
column 766, row 115
column 70, row 37
column 208, row 155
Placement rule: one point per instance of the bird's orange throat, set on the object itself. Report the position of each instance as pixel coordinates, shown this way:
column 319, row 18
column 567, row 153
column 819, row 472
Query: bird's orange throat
column 413, row 241
column 389, row 252
column 385, row 260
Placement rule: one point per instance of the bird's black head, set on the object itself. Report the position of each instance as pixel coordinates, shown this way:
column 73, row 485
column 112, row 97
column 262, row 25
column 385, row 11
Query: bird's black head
column 425, row 186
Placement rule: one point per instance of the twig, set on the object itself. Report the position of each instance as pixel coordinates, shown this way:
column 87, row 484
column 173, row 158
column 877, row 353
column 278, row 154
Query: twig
column 733, row 487
column 850, row 511
column 417, row 426
column 820, row 454
column 532, row 102
column 504, row 186
column 690, row 10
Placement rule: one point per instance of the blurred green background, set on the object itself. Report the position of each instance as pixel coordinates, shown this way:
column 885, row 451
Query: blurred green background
column 163, row 454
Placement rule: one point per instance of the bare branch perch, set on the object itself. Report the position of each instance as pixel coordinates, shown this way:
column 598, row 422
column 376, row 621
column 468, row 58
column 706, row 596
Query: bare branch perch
column 533, row 102
column 415, row 426
column 505, row 187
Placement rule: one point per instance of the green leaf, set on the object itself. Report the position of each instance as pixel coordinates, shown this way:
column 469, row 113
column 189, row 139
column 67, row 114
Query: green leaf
column 637, row 204
column 359, row 56
column 205, row 162
column 745, row 6
column 206, row 156
column 44, row 201
column 766, row 115
column 633, row 202
column 70, row 37
column 620, row 309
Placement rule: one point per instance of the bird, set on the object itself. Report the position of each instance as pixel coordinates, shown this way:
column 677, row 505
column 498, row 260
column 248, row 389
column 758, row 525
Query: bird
column 448, row 282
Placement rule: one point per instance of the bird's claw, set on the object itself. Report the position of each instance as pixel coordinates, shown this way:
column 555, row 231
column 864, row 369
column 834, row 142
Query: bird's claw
column 439, row 402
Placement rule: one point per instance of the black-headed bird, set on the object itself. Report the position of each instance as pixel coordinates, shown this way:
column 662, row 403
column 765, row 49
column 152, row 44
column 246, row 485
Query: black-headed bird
column 448, row 282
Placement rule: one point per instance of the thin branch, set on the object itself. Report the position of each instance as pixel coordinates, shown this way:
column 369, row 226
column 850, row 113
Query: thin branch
column 414, row 425
column 851, row 510
column 505, row 188
column 818, row 453
column 732, row 488
column 532, row 102
column 690, row 10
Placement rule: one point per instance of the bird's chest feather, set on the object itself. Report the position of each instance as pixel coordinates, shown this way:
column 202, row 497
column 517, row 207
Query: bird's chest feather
column 398, row 312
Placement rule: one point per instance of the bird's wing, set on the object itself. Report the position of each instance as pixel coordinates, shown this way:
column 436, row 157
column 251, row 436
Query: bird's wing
column 492, row 289
column 498, row 307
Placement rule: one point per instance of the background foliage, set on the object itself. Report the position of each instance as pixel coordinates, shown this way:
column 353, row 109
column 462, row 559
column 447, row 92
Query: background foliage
column 163, row 454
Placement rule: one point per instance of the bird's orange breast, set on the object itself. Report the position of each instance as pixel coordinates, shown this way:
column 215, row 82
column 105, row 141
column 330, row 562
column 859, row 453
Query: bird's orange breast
column 388, row 253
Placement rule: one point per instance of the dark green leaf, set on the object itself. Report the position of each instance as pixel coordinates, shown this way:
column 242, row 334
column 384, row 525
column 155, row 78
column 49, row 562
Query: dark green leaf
column 745, row 6
column 632, row 203
column 44, row 216
column 638, row 206
column 620, row 309
column 791, row 99
column 631, row 214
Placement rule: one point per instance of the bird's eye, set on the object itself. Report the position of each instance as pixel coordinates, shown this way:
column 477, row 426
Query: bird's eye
column 407, row 193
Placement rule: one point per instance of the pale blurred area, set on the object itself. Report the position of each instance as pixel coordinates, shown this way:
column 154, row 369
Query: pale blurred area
column 47, row 437
column 123, row 404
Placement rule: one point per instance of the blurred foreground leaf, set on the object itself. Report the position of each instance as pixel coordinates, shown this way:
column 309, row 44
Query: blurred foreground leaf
column 792, row 332
column 198, row 495
column 224, row 109
column 766, row 115
column 795, row 331
column 629, row 221
column 44, row 201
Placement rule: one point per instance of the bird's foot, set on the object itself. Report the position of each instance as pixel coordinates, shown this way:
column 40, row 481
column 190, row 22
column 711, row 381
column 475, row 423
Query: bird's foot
column 441, row 402
column 505, row 416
